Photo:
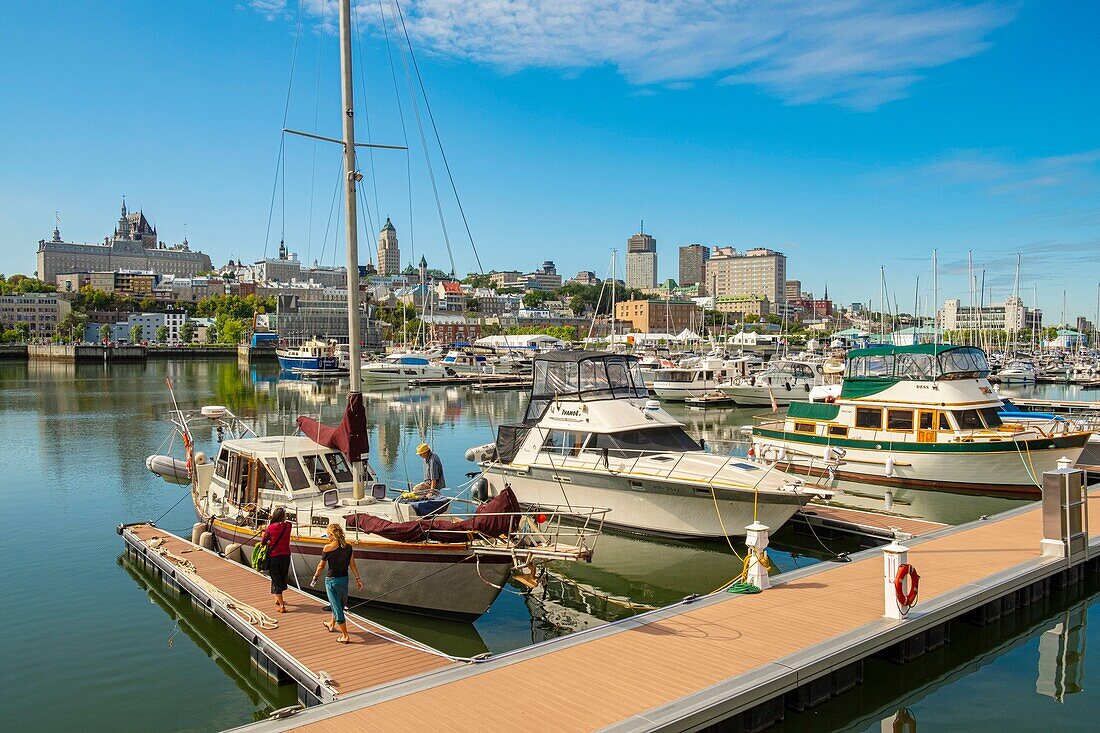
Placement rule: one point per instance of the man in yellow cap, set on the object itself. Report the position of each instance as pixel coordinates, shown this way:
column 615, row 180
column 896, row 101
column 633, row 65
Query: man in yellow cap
column 434, row 481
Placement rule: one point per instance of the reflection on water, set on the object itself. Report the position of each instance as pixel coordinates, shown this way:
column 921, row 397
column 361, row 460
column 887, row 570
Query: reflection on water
column 74, row 441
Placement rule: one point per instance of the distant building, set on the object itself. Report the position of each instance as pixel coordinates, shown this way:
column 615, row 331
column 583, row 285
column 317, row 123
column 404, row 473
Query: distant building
column 757, row 271
column 792, row 289
column 656, row 316
column 1010, row 316
column 739, row 306
column 450, row 328
column 585, row 277
column 1067, row 338
column 508, row 279
column 133, row 246
column 148, row 322
column 450, row 296
column 641, row 261
column 545, row 278
column 693, row 264
column 40, row 311
column 322, row 313
column 389, row 254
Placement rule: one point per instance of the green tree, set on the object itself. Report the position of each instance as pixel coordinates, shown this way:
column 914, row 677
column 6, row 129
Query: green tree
column 161, row 334
column 230, row 330
column 147, row 304
column 212, row 333
column 478, row 280
column 187, row 332
column 21, row 284
column 71, row 327
column 23, row 330
column 105, row 332
column 135, row 334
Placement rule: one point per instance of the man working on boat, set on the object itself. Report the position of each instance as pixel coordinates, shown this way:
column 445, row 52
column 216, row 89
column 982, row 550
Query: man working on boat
column 434, row 481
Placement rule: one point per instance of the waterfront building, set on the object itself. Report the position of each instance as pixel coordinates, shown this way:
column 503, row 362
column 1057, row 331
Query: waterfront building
column 657, row 316
column 133, row 246
column 321, row 313
column 693, row 264
column 739, row 306
column 149, row 322
column 40, row 311
column 389, row 254
column 641, row 261
column 451, row 327
column 759, row 271
column 1010, row 316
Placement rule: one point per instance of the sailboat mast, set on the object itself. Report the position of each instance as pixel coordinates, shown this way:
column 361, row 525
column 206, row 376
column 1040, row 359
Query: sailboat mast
column 351, row 227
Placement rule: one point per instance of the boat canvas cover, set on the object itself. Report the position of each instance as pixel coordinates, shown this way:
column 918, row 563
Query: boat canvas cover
column 495, row 518
column 349, row 437
column 813, row 410
column 509, row 440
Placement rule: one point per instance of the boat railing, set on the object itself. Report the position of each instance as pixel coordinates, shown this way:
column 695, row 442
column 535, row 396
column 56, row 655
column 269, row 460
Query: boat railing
column 549, row 532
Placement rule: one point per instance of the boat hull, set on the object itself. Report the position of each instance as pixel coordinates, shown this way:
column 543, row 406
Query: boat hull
column 1008, row 467
column 461, row 586
column 312, row 363
column 402, row 375
column 757, row 397
column 657, row 508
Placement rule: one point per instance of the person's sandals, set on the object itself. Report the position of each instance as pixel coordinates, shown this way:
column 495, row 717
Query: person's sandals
column 330, row 628
column 344, row 640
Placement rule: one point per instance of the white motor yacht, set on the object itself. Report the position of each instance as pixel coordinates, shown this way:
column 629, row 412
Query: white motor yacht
column 782, row 382
column 681, row 383
column 400, row 368
column 1018, row 371
column 591, row 437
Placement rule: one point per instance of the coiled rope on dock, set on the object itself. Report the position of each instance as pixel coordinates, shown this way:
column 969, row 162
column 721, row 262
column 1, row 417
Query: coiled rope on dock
column 251, row 614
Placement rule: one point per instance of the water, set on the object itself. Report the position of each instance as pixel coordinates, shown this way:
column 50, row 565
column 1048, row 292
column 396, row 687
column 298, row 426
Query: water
column 90, row 642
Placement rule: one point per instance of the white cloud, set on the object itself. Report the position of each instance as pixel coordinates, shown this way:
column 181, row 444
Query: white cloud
column 858, row 53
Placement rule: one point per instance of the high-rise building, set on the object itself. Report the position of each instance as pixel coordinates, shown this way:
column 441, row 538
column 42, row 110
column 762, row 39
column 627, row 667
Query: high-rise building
column 693, row 264
column 133, row 246
column 389, row 255
column 757, row 271
column 793, row 289
column 641, row 261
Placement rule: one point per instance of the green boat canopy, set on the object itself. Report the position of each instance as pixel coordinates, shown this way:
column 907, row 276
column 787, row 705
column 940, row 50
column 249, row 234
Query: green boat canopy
column 873, row 369
column 813, row 410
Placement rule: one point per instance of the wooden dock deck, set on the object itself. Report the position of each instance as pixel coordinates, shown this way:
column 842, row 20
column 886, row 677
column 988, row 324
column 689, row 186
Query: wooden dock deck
column 300, row 646
column 700, row 662
column 858, row 521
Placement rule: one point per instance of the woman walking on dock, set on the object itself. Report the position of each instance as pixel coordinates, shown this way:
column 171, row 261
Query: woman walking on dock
column 277, row 539
column 338, row 556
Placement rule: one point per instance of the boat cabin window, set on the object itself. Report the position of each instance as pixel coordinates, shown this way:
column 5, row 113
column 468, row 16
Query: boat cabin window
column 316, row 468
column 926, row 419
column 805, row 427
column 676, row 375
column 643, row 441
column 872, row 366
column 869, row 417
column 992, row 417
column 339, row 466
column 969, row 420
column 272, row 478
column 914, row 366
column 221, row 466
column 840, row 431
column 945, row 423
column 564, row 442
column 963, row 363
column 899, row 420
column 295, row 474
column 583, row 376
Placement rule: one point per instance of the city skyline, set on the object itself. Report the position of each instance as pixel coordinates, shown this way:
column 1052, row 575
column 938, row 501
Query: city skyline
column 942, row 141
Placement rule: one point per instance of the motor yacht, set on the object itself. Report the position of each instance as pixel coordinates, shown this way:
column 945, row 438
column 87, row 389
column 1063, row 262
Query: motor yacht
column 590, row 436
column 313, row 355
column 402, row 367
column 781, row 383
column 678, row 384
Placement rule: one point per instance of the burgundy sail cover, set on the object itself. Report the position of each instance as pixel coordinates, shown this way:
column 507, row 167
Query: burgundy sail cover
column 443, row 529
column 349, row 437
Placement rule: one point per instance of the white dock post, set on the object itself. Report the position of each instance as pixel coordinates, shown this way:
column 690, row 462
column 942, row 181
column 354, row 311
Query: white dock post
column 756, row 540
column 893, row 557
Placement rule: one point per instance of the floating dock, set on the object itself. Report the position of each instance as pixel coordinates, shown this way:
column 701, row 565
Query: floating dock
column 484, row 381
column 299, row 650
column 866, row 524
column 739, row 660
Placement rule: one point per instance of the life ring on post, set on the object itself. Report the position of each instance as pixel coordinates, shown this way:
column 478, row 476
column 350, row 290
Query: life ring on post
column 830, row 399
column 906, row 600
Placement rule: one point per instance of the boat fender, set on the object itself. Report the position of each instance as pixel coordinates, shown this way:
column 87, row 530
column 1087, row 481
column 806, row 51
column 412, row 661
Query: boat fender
column 196, row 532
column 904, row 722
column 906, row 600
column 787, row 385
column 200, row 458
column 782, row 455
column 806, row 387
column 480, row 489
column 206, row 540
column 752, row 451
column 830, row 399
column 889, row 466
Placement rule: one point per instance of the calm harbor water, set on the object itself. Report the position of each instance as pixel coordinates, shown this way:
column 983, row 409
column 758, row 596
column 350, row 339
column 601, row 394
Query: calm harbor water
column 89, row 642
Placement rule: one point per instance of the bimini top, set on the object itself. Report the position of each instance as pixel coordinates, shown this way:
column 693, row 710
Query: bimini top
column 583, row 375
column 873, row 369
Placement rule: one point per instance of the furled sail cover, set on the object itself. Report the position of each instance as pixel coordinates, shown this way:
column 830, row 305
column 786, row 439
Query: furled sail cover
column 349, row 437
column 495, row 518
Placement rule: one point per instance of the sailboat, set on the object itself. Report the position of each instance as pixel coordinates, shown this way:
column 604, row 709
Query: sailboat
column 417, row 555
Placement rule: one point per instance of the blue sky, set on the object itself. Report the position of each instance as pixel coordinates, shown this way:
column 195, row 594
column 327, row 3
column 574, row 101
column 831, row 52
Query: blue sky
column 848, row 134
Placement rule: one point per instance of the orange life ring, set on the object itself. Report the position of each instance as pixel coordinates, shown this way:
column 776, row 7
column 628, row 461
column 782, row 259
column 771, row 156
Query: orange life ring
column 830, row 399
column 908, row 600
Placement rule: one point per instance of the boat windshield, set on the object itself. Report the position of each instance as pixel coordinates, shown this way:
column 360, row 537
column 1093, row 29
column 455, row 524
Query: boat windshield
column 922, row 363
column 583, row 375
column 643, row 441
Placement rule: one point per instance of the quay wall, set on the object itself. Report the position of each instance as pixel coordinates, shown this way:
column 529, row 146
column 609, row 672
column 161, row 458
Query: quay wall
column 13, row 351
